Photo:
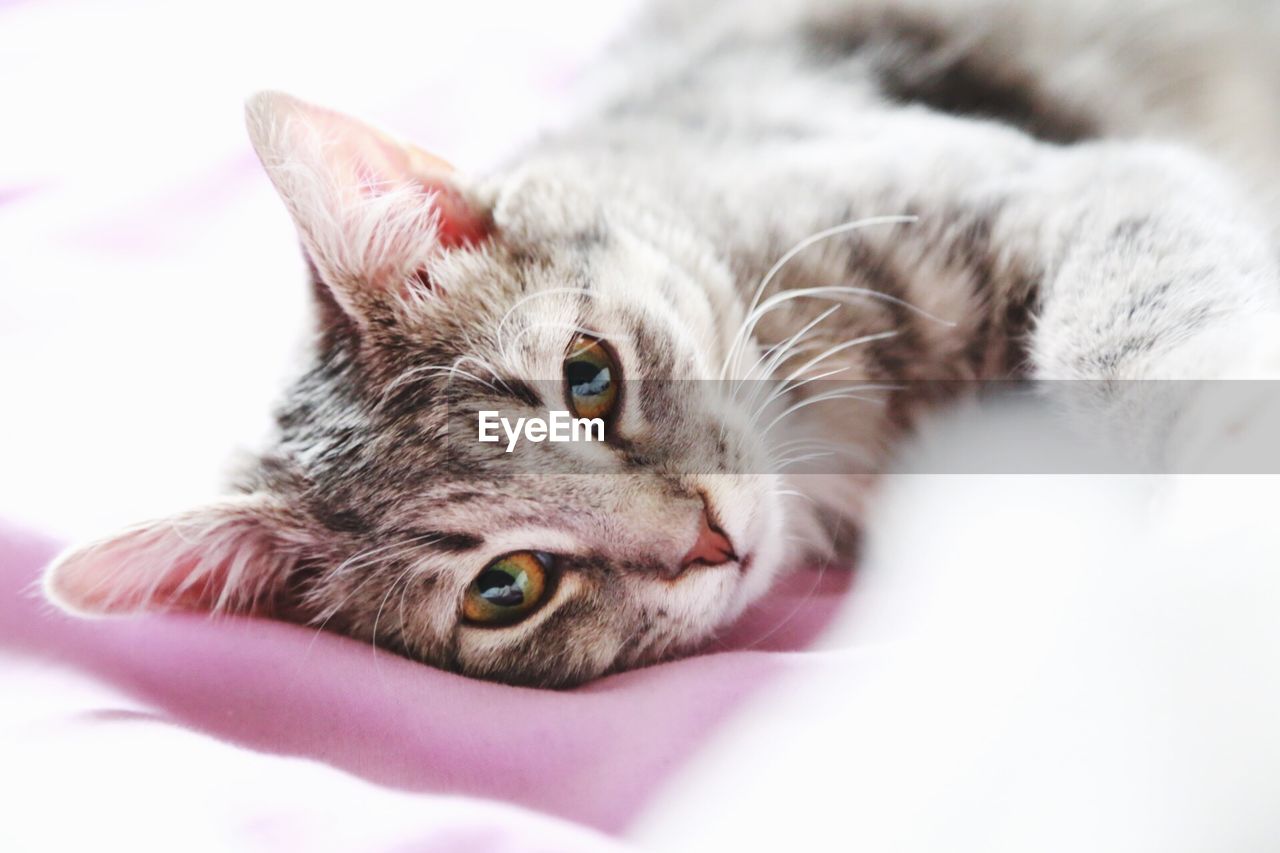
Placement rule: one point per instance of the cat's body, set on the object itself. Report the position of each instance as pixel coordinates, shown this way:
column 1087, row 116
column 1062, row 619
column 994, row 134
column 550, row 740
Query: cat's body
column 1043, row 228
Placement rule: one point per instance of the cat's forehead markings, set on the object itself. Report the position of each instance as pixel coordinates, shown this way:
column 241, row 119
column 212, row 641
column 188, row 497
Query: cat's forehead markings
column 448, row 541
column 463, row 497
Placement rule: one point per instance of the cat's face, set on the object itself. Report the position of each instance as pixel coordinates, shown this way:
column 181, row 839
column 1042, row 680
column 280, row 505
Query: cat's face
column 379, row 513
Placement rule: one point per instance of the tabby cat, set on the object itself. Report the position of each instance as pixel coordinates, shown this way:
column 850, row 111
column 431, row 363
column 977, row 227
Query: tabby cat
column 780, row 230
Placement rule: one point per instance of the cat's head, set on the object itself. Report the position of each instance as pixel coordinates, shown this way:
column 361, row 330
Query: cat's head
column 378, row 513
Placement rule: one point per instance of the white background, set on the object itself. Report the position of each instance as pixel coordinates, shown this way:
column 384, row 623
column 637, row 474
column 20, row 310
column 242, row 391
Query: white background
column 152, row 295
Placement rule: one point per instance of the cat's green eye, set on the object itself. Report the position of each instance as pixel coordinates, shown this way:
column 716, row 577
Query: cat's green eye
column 509, row 589
column 592, row 378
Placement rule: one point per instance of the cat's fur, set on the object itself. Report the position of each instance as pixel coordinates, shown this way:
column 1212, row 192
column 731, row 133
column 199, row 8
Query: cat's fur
column 1074, row 177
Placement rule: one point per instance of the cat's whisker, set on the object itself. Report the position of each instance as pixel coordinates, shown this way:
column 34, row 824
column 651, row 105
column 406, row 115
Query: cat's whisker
column 463, row 359
column 806, row 442
column 537, row 294
column 499, row 336
column 779, row 353
column 784, row 464
column 847, row 294
column 334, row 608
column 423, row 370
column 796, row 351
column 377, row 616
column 790, row 444
column 843, row 394
column 734, row 395
column 792, row 493
column 798, row 348
column 839, row 293
column 833, row 350
column 813, row 447
column 404, row 588
column 791, row 348
column 854, row 453
column 795, row 446
column 572, row 327
column 794, row 382
column 786, row 258
column 364, row 559
column 784, row 389
column 454, row 370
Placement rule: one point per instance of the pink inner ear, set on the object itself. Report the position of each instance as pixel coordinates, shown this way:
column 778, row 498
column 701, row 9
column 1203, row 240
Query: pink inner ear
column 378, row 165
column 153, row 568
column 367, row 179
column 423, row 278
column 355, row 245
column 189, row 585
column 460, row 227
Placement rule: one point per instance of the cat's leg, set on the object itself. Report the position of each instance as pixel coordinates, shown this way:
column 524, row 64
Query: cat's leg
column 1154, row 269
column 1139, row 261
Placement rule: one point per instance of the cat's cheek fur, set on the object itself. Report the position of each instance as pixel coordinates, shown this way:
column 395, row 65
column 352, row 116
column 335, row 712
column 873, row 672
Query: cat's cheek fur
column 599, row 625
column 777, row 528
column 586, row 644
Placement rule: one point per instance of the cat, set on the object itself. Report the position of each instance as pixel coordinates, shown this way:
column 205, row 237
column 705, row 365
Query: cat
column 767, row 198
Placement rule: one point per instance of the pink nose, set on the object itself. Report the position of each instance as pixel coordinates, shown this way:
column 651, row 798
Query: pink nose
column 712, row 547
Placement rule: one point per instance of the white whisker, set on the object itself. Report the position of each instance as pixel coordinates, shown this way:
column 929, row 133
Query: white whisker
column 790, row 384
column 573, row 327
column 748, row 325
column 538, row 294
column 780, row 352
column 451, row 370
column 841, row 394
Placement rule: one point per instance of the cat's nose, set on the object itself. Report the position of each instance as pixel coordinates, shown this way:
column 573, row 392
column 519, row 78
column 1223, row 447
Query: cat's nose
column 712, row 547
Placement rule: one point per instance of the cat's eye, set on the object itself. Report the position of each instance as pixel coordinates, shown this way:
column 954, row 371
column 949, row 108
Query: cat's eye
column 592, row 378
column 509, row 589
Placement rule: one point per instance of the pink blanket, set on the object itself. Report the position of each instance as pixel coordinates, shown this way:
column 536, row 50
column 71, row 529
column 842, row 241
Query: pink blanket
column 591, row 755
column 150, row 277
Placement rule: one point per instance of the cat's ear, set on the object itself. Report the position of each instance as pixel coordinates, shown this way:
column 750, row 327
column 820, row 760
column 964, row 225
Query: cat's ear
column 372, row 211
column 232, row 556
